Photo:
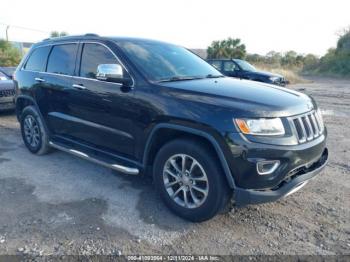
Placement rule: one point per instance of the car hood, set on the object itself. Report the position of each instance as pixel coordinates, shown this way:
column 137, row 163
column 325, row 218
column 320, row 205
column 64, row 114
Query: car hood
column 243, row 97
column 264, row 74
column 6, row 85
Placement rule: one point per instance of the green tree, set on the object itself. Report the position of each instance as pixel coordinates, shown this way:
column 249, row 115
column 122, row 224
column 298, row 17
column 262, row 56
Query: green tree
column 337, row 60
column 289, row 59
column 229, row 48
column 255, row 58
column 343, row 45
column 310, row 62
column 274, row 58
column 9, row 55
column 58, row 34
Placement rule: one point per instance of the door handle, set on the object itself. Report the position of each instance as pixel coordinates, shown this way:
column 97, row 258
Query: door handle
column 80, row 87
column 38, row 79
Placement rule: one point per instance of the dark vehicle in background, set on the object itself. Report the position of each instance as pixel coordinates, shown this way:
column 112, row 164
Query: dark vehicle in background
column 242, row 69
column 7, row 88
column 146, row 107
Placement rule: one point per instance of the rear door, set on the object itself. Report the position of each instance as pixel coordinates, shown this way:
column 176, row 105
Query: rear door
column 57, row 83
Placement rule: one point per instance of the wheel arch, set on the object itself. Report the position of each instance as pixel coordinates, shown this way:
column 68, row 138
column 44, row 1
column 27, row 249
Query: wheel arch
column 174, row 131
column 22, row 101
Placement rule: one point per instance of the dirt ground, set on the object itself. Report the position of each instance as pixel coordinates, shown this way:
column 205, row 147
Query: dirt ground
column 58, row 204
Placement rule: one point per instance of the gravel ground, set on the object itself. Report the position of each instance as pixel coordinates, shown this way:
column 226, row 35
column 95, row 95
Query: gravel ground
column 58, row 204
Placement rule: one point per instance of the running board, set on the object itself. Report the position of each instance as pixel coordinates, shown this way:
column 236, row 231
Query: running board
column 120, row 168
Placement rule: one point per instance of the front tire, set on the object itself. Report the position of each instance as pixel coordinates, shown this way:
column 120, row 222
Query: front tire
column 34, row 134
column 190, row 180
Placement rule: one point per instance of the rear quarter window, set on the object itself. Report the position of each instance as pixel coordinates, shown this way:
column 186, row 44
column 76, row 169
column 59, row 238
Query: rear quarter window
column 62, row 59
column 37, row 59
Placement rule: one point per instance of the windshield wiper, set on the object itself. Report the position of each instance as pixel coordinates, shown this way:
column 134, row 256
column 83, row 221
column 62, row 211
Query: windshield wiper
column 179, row 78
column 184, row 78
column 214, row 76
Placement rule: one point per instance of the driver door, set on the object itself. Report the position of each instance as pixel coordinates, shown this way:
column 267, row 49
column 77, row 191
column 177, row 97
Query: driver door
column 230, row 68
column 100, row 110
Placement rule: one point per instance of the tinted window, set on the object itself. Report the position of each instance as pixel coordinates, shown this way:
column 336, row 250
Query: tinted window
column 37, row 59
column 9, row 71
column 216, row 64
column 62, row 59
column 230, row 66
column 92, row 56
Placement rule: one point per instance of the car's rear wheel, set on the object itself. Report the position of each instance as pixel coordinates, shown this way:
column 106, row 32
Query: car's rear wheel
column 34, row 134
column 190, row 180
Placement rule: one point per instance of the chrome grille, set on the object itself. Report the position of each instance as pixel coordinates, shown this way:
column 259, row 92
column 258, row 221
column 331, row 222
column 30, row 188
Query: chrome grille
column 6, row 93
column 307, row 126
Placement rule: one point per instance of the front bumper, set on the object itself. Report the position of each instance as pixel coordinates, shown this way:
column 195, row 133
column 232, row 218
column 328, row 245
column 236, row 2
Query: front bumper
column 280, row 82
column 7, row 103
column 296, row 179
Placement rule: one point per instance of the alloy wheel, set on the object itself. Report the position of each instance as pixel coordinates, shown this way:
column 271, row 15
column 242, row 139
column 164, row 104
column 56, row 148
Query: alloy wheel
column 185, row 181
column 31, row 131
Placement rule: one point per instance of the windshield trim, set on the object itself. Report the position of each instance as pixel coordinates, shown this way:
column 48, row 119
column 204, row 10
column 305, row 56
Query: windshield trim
column 187, row 78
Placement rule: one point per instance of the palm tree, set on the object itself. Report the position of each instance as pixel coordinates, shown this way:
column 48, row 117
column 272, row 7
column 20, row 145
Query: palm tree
column 229, row 48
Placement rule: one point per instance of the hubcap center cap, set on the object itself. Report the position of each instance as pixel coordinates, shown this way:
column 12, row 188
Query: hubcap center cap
column 186, row 180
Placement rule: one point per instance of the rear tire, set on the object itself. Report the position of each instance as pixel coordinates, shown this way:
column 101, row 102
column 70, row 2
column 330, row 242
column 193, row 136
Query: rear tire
column 34, row 134
column 195, row 191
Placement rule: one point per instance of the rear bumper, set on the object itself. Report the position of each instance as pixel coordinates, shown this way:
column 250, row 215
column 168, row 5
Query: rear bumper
column 298, row 178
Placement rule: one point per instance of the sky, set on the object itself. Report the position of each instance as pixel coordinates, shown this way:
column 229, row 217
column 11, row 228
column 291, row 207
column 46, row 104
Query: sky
column 306, row 26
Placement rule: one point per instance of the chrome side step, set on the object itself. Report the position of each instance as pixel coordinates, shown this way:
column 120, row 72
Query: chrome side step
column 120, row 168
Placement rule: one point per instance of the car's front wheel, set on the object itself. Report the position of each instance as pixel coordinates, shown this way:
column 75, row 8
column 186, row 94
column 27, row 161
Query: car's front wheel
column 190, row 180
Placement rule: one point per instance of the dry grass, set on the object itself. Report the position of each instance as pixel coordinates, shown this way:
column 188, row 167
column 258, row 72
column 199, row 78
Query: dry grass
column 290, row 74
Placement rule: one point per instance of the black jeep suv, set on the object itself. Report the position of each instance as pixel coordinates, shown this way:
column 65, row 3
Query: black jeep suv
column 142, row 106
column 242, row 69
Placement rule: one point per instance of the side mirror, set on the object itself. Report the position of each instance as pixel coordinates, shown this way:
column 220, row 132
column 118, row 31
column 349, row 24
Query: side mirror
column 111, row 73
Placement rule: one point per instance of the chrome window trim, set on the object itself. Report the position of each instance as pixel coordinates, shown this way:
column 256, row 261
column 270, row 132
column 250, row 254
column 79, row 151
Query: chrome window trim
column 31, row 52
column 120, row 62
column 77, row 76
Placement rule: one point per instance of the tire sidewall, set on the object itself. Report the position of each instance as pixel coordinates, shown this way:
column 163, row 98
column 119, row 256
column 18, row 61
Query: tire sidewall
column 217, row 186
column 42, row 147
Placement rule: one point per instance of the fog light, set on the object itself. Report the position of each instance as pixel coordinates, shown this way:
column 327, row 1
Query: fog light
column 267, row 167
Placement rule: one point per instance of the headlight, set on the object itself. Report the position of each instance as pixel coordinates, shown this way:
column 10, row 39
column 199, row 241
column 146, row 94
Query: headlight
column 273, row 78
column 320, row 119
column 261, row 126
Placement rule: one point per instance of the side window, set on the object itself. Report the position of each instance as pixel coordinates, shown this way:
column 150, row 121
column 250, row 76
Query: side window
column 230, row 66
column 37, row 59
column 92, row 56
column 62, row 59
column 216, row 64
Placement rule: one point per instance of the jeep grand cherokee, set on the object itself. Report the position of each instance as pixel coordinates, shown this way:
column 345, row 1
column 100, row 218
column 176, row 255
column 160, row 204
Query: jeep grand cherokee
column 137, row 105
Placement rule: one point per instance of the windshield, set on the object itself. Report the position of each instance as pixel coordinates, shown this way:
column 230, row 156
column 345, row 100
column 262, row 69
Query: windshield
column 3, row 76
column 166, row 62
column 9, row 71
column 245, row 65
